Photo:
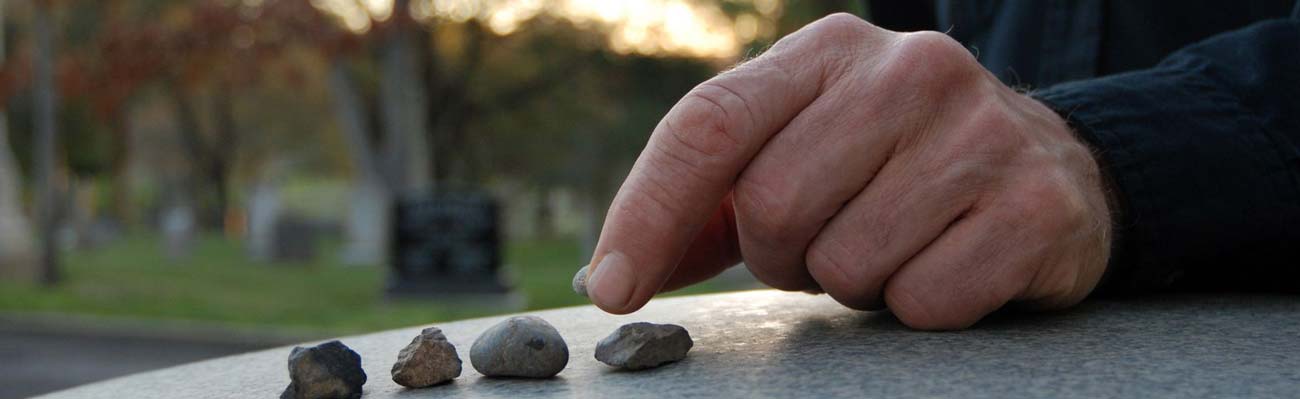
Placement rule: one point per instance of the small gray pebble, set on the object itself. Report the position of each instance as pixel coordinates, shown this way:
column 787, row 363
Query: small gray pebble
column 428, row 360
column 521, row 346
column 580, row 281
column 327, row 371
column 639, row 346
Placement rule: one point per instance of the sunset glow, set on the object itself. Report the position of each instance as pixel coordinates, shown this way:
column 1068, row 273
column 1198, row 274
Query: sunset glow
column 646, row 27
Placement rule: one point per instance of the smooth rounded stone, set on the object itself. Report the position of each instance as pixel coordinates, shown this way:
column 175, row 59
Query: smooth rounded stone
column 327, row 371
column 580, row 281
column 521, row 346
column 637, row 346
column 427, row 361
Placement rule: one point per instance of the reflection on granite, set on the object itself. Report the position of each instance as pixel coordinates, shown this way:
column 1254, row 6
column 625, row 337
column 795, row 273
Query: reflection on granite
column 775, row 344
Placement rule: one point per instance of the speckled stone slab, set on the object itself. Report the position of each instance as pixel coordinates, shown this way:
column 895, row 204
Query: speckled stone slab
column 774, row 344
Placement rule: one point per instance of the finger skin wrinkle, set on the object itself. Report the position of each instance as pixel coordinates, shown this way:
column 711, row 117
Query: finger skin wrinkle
column 749, row 112
column 834, row 253
column 880, row 231
column 833, row 68
column 654, row 196
column 680, row 164
column 699, row 151
column 773, row 62
column 652, row 216
column 702, row 123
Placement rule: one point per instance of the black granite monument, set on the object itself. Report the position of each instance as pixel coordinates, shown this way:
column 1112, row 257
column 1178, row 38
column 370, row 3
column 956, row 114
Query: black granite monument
column 445, row 245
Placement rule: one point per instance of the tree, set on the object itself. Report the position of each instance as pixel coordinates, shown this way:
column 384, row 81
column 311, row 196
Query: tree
column 543, row 98
column 108, row 70
column 408, row 127
column 45, row 131
column 210, row 53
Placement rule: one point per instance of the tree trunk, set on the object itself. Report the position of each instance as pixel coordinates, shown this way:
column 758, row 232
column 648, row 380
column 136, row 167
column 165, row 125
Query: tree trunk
column 545, row 213
column 45, row 130
column 352, row 122
column 368, row 214
column 401, row 95
column 191, row 136
column 210, row 161
column 120, row 197
column 449, row 108
column 215, row 218
column 222, row 153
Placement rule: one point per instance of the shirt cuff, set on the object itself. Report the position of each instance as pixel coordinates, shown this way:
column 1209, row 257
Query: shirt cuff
column 1196, row 179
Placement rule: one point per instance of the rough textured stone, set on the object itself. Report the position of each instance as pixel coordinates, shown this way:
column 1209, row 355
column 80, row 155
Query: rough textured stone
column 639, row 346
column 327, row 371
column 428, row 360
column 521, row 346
column 580, row 281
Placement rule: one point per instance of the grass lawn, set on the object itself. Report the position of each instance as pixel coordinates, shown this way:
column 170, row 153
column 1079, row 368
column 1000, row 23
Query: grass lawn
column 132, row 278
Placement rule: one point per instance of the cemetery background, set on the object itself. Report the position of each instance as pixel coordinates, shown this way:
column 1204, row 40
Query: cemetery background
column 181, row 180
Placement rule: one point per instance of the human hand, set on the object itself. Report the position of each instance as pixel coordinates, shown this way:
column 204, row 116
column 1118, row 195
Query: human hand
column 886, row 169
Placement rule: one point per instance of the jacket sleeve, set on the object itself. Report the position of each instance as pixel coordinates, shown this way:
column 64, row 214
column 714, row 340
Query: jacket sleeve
column 1202, row 153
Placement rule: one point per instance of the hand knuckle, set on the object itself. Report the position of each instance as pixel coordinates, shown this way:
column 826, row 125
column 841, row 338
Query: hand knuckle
column 990, row 132
column 839, row 28
column 932, row 62
column 828, row 38
column 933, row 45
column 711, row 120
column 938, row 41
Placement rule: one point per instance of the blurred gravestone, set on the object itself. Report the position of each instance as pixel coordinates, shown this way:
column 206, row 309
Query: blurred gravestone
column 275, row 235
column 445, row 245
column 367, row 225
column 178, row 231
column 294, row 239
column 18, row 257
column 263, row 213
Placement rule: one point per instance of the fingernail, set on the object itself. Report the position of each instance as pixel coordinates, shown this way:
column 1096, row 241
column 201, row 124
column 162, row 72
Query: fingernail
column 580, row 281
column 610, row 286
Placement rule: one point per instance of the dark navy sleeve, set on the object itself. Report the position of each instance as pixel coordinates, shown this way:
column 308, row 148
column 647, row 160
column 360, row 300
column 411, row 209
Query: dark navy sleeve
column 1203, row 157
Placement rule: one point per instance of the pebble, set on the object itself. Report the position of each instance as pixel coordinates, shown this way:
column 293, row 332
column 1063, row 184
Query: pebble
column 638, row 346
column 521, row 346
column 327, row 371
column 427, row 361
column 580, row 281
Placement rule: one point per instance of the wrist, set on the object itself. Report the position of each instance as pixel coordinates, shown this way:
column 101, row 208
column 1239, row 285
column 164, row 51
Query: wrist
column 1103, row 179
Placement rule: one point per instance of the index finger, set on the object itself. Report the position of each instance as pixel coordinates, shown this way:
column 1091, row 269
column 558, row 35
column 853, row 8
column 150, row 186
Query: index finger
column 689, row 164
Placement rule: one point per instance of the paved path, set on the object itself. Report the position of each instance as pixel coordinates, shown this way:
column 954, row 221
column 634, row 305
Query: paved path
column 39, row 356
column 773, row 344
